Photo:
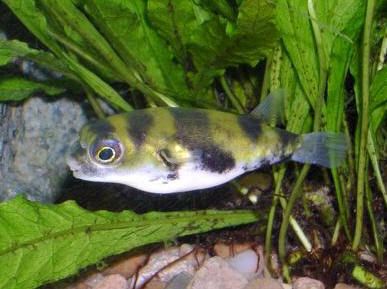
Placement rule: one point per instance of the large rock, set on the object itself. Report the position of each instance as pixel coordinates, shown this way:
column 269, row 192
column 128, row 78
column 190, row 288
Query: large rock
column 34, row 138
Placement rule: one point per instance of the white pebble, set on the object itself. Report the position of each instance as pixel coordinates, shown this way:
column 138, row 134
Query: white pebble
column 244, row 262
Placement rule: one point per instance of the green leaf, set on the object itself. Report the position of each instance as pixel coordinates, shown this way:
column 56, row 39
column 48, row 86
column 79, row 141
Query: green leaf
column 97, row 84
column 297, row 35
column 43, row 243
column 15, row 89
column 378, row 100
column 207, row 43
column 297, row 108
column 124, row 24
column 69, row 26
column 34, row 19
column 10, row 49
column 342, row 39
column 221, row 7
column 255, row 34
column 7, row 54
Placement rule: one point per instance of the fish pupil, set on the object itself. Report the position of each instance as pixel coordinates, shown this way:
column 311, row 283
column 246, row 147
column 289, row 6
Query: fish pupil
column 106, row 154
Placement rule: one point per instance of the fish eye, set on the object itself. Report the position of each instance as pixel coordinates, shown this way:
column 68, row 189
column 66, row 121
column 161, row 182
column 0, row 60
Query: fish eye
column 106, row 154
column 106, row 151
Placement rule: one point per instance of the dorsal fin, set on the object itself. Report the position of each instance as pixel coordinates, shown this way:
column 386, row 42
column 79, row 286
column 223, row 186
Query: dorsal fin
column 272, row 108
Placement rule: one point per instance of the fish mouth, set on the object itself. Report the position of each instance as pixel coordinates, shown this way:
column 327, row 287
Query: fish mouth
column 73, row 156
column 74, row 166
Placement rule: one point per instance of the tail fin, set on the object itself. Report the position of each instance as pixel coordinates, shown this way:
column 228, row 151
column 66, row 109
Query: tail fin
column 322, row 148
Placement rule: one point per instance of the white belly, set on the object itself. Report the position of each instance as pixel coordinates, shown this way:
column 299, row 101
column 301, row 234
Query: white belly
column 188, row 178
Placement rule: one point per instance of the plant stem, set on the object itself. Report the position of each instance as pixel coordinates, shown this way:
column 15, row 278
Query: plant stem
column 365, row 83
column 235, row 102
column 316, row 126
column 375, row 165
column 378, row 242
column 270, row 220
column 288, row 210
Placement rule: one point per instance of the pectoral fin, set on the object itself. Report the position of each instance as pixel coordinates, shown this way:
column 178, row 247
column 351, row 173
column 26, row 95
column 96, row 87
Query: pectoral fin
column 167, row 159
column 174, row 156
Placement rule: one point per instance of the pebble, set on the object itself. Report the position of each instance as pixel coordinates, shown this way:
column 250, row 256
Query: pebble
column 114, row 281
column 216, row 273
column 245, row 262
column 227, row 250
column 345, row 286
column 264, row 283
column 168, row 263
column 307, row 283
column 180, row 281
column 126, row 267
column 154, row 284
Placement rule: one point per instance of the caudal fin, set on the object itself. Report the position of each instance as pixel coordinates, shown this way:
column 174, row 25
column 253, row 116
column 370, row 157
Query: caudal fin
column 322, row 148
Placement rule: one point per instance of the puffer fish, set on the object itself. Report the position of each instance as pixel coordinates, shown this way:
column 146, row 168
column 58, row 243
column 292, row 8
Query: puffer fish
column 167, row 150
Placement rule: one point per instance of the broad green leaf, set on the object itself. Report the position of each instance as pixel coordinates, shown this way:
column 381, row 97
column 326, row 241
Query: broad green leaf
column 209, row 42
column 221, row 7
column 297, row 108
column 195, row 34
column 27, row 11
column 378, row 101
column 125, row 25
column 15, row 89
column 297, row 35
column 10, row 49
column 378, row 110
column 69, row 26
column 98, row 85
column 43, row 243
column 345, row 30
column 255, row 34
column 34, row 19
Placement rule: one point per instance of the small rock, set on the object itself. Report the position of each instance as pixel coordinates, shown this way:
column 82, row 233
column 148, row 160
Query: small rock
column 217, row 274
column 180, row 281
column 244, row 262
column 154, row 284
column 345, row 286
column 86, row 282
column 308, row 283
column 91, row 280
column 226, row 250
column 264, row 283
column 126, row 267
column 249, row 262
column 114, row 281
column 166, row 264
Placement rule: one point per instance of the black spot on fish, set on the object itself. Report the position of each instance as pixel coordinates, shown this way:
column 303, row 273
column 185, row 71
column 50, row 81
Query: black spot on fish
column 192, row 127
column 101, row 128
column 193, row 132
column 286, row 139
column 215, row 159
column 139, row 124
column 251, row 126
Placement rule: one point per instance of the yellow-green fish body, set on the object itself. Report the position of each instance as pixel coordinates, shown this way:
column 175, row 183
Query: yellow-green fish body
column 166, row 150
